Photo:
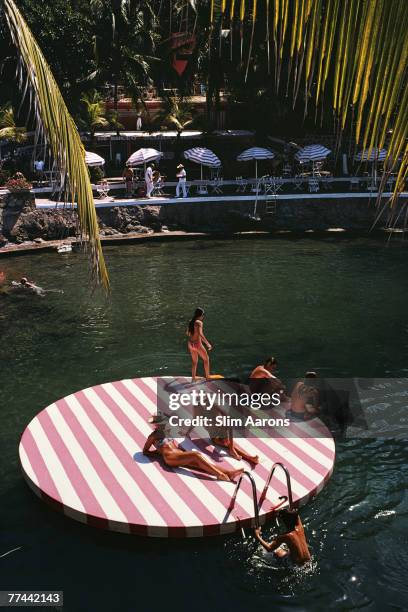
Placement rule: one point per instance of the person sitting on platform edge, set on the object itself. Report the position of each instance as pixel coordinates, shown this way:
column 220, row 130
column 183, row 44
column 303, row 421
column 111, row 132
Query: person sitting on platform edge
column 292, row 543
column 305, row 399
column 263, row 380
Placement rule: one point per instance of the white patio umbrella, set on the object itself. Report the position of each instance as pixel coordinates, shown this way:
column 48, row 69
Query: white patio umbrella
column 204, row 157
column 143, row 157
column 312, row 153
column 93, row 159
column 255, row 153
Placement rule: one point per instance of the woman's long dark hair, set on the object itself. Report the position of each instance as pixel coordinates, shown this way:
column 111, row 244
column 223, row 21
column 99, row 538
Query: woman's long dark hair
column 198, row 313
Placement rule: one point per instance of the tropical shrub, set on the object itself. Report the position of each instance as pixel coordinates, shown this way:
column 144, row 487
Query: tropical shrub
column 18, row 184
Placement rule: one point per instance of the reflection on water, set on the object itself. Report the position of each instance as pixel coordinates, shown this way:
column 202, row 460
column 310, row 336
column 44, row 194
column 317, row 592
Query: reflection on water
column 335, row 306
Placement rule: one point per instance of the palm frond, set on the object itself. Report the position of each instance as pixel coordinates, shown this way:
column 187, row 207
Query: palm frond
column 60, row 132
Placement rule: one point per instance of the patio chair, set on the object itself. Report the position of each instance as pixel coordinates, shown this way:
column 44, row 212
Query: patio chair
column 265, row 184
column 202, row 189
column 102, row 190
column 241, row 184
column 313, row 185
column 158, row 186
column 298, row 183
column 287, row 171
column 317, row 168
column 215, row 173
column 391, row 183
column 256, row 186
column 277, row 184
column 216, row 185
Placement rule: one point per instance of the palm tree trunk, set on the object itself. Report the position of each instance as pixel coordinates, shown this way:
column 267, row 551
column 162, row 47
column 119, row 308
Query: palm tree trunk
column 115, row 102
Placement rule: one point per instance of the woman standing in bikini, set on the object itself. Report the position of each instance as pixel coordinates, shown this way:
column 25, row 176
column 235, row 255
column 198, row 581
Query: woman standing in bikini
column 196, row 341
column 174, row 456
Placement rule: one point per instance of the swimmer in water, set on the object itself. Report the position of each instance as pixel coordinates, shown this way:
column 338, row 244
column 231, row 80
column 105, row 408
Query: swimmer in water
column 24, row 282
column 292, row 543
column 196, row 341
column 174, row 456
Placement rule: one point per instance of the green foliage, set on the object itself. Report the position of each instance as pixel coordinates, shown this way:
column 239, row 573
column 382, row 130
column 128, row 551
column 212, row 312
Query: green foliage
column 64, row 33
column 93, row 113
column 176, row 113
column 8, row 128
column 124, row 42
column 96, row 174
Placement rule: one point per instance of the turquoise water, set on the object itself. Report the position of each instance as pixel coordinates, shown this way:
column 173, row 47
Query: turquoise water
column 335, row 305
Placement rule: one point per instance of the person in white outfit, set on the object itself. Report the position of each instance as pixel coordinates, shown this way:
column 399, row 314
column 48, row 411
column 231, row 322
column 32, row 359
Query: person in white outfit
column 149, row 180
column 139, row 123
column 181, row 175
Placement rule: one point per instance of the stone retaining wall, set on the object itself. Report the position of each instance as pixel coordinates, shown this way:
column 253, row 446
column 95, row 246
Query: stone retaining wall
column 21, row 221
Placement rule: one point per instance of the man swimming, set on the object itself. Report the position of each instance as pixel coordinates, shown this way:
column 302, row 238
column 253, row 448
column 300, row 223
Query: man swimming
column 292, row 543
column 28, row 285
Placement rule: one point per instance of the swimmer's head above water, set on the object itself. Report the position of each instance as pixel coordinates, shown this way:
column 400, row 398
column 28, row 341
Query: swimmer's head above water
column 289, row 518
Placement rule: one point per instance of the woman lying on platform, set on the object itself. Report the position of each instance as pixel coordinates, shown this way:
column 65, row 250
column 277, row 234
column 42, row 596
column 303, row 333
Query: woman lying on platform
column 174, row 456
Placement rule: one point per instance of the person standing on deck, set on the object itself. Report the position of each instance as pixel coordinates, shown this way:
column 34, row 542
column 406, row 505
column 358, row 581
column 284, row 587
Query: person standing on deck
column 181, row 175
column 195, row 344
column 128, row 176
column 149, row 180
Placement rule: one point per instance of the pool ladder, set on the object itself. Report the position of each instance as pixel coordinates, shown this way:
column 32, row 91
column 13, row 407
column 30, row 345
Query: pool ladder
column 257, row 504
column 270, row 205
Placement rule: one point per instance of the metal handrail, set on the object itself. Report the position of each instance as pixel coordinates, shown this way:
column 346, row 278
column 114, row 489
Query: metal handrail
column 254, row 495
column 288, row 484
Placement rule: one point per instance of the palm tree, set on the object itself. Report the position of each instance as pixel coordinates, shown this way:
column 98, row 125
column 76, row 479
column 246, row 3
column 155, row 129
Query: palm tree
column 62, row 135
column 176, row 113
column 93, row 114
column 8, row 128
column 124, row 43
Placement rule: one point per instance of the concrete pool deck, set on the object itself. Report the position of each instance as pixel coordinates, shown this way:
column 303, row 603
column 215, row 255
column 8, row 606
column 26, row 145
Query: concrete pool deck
column 219, row 199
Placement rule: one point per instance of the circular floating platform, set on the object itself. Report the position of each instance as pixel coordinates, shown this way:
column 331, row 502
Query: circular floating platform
column 83, row 455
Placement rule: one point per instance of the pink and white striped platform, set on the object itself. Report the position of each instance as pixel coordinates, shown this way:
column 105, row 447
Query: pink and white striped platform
column 83, row 455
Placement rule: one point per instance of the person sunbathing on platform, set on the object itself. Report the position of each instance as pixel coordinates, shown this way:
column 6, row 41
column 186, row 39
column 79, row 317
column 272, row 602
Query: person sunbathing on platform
column 174, row 456
column 235, row 451
column 291, row 544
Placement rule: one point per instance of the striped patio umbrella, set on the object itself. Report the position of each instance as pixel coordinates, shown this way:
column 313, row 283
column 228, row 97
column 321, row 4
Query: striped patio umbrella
column 204, row 157
column 255, row 153
column 312, row 153
column 93, row 159
column 375, row 155
column 143, row 157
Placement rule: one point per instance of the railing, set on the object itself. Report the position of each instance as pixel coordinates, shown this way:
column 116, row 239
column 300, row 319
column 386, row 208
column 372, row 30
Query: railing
column 268, row 482
column 254, row 495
